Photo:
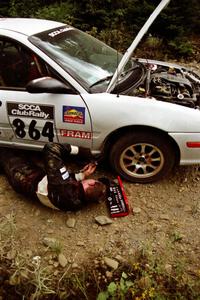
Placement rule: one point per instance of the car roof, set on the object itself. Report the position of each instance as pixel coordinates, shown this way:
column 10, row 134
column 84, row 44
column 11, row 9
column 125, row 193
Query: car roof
column 28, row 26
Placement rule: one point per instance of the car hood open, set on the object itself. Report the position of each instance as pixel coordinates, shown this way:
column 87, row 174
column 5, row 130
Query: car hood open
column 130, row 50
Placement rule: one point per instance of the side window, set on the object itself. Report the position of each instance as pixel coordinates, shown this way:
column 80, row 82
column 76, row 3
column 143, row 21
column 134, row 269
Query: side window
column 18, row 65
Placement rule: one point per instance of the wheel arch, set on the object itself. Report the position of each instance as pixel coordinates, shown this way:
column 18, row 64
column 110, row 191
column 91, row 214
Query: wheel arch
column 115, row 135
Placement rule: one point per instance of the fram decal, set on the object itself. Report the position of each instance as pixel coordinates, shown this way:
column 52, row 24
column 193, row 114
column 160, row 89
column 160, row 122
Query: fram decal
column 74, row 114
column 77, row 134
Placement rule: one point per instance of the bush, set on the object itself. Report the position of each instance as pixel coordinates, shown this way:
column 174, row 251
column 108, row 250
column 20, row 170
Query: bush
column 117, row 22
column 61, row 13
column 180, row 47
column 19, row 8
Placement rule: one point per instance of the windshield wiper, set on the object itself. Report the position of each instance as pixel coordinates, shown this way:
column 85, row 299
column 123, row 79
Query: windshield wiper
column 101, row 80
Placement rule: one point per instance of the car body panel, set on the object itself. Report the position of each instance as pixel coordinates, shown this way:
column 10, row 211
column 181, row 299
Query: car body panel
column 147, row 112
column 161, row 63
column 136, row 41
column 188, row 156
column 21, row 25
column 70, row 114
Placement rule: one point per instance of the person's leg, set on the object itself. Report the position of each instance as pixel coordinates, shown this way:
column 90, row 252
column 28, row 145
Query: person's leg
column 21, row 173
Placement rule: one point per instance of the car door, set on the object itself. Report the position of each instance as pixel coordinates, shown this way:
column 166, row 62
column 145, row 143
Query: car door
column 31, row 119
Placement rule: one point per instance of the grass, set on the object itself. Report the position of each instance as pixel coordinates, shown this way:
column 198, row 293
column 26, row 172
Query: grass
column 195, row 209
column 7, row 233
column 144, row 277
column 141, row 279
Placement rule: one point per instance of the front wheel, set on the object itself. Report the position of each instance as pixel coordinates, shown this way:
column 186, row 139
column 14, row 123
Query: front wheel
column 142, row 157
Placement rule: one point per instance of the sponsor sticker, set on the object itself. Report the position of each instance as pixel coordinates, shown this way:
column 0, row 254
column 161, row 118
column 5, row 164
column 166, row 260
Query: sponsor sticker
column 32, row 121
column 58, row 31
column 63, row 169
column 74, row 114
column 65, row 175
column 77, row 134
column 30, row 110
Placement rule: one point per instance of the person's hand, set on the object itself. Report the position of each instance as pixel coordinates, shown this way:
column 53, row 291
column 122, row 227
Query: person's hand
column 89, row 169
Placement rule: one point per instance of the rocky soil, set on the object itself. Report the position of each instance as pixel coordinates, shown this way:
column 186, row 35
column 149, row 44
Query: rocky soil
column 164, row 218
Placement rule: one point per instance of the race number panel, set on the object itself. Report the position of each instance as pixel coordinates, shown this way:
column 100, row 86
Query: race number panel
column 32, row 121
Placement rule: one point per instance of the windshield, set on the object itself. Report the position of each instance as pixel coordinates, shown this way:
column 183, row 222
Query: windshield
column 87, row 59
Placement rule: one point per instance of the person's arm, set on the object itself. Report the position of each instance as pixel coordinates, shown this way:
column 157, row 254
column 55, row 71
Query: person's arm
column 64, row 190
column 75, row 150
column 86, row 171
column 64, row 150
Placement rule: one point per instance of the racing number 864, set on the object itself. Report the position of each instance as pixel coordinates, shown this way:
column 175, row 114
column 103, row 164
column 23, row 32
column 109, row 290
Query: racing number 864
column 33, row 132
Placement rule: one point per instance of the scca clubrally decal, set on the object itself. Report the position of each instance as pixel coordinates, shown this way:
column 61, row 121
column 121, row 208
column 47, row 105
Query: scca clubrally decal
column 30, row 110
column 74, row 114
column 32, row 121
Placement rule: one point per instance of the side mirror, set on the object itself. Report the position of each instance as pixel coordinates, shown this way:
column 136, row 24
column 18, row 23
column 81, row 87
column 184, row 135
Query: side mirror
column 49, row 85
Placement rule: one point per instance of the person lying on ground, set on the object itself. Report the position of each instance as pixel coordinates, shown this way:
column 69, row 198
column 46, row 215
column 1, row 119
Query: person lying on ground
column 55, row 186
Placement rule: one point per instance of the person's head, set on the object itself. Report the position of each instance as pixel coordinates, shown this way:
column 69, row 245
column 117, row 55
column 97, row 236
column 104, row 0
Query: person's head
column 94, row 190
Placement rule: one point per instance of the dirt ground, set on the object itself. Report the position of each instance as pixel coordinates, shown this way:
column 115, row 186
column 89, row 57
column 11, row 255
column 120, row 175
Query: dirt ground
column 164, row 218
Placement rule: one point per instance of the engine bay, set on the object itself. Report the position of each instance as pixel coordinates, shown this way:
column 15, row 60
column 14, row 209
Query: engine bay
column 169, row 83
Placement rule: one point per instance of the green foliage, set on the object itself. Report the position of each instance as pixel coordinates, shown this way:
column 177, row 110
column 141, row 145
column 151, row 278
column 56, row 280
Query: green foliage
column 4, row 7
column 153, row 46
column 181, row 47
column 55, row 12
column 20, row 8
column 114, row 37
column 145, row 278
column 117, row 290
column 118, row 21
column 102, row 14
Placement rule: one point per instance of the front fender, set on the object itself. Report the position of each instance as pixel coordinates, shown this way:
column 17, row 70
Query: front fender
column 111, row 112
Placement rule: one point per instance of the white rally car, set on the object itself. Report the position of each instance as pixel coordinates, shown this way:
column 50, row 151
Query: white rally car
column 60, row 84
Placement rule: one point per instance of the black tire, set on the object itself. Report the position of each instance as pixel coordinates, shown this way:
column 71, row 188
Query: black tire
column 142, row 157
